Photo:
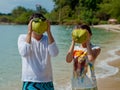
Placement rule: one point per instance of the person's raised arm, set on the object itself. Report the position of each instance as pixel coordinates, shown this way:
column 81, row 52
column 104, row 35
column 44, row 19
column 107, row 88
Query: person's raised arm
column 69, row 56
column 28, row 37
column 53, row 49
column 50, row 37
column 24, row 42
column 92, row 53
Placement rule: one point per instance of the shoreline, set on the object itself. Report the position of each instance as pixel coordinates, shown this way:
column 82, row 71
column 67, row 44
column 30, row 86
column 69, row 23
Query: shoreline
column 111, row 82
column 109, row 27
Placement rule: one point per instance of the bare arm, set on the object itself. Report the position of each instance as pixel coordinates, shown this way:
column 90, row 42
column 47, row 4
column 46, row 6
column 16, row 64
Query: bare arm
column 92, row 54
column 28, row 37
column 69, row 56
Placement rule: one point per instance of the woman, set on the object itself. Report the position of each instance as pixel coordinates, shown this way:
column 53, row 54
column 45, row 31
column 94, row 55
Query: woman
column 83, row 57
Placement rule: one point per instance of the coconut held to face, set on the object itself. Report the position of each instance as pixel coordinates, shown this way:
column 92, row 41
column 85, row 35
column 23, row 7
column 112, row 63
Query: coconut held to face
column 79, row 35
column 39, row 26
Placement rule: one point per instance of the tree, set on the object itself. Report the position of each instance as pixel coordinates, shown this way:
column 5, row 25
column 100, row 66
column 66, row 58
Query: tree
column 18, row 11
column 76, row 9
column 110, row 9
column 114, row 8
column 24, row 17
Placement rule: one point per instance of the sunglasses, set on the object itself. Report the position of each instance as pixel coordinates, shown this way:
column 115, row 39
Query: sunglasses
column 39, row 19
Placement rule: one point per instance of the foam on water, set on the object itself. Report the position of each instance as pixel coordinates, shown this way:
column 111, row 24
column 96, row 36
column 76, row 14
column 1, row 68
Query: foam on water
column 108, row 70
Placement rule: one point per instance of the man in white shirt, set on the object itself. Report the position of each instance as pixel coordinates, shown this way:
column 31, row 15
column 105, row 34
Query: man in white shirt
column 36, row 51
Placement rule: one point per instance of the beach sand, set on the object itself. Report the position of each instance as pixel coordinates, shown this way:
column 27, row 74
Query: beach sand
column 109, row 27
column 111, row 82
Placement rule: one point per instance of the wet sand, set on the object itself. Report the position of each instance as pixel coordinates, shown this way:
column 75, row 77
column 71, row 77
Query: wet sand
column 111, row 82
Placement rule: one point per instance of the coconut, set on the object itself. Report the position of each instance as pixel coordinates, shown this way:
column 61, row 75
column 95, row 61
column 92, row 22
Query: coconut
column 79, row 35
column 39, row 26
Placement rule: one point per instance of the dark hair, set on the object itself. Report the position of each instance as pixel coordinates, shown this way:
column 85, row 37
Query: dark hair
column 84, row 26
column 37, row 15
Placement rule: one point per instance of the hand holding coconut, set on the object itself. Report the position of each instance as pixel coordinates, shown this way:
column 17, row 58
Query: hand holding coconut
column 39, row 26
column 80, row 35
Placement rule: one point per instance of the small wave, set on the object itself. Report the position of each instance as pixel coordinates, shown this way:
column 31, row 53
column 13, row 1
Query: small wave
column 108, row 70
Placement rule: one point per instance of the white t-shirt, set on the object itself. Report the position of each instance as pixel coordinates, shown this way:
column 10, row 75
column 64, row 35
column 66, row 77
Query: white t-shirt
column 36, row 63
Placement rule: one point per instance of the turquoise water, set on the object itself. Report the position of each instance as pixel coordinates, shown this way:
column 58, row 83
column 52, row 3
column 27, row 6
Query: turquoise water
column 10, row 61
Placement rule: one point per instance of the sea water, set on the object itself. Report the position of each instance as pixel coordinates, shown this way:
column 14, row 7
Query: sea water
column 10, row 60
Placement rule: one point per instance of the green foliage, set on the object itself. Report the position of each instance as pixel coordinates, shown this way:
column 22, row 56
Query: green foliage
column 86, row 16
column 89, row 4
column 95, row 21
column 110, row 9
column 82, row 10
column 115, row 8
column 18, row 11
column 103, row 22
column 87, row 11
column 23, row 18
column 64, row 13
column 53, row 16
column 6, row 19
column 69, row 12
column 19, row 15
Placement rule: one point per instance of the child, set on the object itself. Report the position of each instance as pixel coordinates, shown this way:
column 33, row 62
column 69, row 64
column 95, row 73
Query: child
column 83, row 56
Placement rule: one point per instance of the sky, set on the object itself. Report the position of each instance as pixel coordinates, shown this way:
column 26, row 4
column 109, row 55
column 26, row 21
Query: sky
column 6, row 6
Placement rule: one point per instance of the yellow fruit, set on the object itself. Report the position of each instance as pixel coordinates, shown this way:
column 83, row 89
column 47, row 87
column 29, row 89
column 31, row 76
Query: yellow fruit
column 39, row 26
column 79, row 35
